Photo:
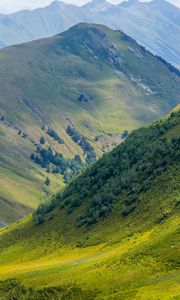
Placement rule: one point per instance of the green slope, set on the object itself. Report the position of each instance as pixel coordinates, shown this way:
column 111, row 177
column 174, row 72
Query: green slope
column 95, row 79
column 121, row 256
column 22, row 185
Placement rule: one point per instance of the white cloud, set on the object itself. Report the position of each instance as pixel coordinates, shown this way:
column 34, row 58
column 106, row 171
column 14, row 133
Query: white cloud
column 175, row 2
column 14, row 5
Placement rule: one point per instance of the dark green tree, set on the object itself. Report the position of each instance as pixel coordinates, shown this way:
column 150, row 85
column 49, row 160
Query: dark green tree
column 42, row 140
column 47, row 181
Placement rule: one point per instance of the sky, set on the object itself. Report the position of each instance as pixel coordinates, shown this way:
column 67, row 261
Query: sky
column 15, row 5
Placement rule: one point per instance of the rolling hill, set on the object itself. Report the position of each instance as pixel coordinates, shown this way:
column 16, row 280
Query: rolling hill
column 154, row 25
column 110, row 234
column 81, row 92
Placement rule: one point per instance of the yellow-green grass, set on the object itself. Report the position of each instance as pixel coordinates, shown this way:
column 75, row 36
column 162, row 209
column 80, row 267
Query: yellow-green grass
column 119, row 258
column 124, row 270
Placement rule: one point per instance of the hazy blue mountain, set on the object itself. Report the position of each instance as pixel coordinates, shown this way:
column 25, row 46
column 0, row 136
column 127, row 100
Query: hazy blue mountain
column 156, row 25
column 28, row 25
column 2, row 45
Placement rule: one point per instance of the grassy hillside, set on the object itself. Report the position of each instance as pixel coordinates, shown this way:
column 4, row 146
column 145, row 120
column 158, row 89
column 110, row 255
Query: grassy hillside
column 121, row 256
column 98, row 81
column 22, row 183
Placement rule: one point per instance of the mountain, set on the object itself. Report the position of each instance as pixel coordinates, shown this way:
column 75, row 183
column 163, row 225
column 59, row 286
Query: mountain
column 111, row 234
column 164, row 24
column 66, row 100
column 2, row 45
column 154, row 24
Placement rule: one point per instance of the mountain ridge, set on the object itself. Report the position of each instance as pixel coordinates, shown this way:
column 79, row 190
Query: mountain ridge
column 43, row 22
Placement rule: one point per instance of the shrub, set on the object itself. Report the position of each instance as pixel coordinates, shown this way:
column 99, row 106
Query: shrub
column 127, row 210
column 42, row 140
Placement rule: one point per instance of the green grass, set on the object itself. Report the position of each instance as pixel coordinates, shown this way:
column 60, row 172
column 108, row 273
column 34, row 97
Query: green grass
column 21, row 181
column 40, row 83
column 132, row 257
column 135, row 258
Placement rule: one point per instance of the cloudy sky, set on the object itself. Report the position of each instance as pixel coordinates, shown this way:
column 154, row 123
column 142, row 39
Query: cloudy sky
column 14, row 5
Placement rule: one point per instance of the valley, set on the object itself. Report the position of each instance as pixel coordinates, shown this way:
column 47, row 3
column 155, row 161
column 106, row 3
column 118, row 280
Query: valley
column 132, row 255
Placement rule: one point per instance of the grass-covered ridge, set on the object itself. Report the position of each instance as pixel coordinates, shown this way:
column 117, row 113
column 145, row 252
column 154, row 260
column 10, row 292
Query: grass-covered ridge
column 96, row 80
column 122, row 256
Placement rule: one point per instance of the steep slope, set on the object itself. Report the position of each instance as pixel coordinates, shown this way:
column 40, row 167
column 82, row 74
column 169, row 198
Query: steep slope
column 82, row 91
column 22, row 183
column 127, row 253
column 155, row 25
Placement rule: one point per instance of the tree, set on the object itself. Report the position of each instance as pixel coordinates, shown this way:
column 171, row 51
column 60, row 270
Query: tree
column 47, row 181
column 32, row 157
column 42, row 140
column 125, row 134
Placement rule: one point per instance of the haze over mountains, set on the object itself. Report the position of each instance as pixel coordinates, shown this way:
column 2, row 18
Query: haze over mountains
column 155, row 25
column 98, row 81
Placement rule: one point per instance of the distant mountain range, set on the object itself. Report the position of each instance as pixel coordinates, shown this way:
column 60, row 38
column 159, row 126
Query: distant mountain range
column 155, row 25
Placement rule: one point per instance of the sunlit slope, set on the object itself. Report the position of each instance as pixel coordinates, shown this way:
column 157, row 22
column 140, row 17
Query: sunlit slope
column 123, row 84
column 93, row 78
column 22, row 185
column 121, row 256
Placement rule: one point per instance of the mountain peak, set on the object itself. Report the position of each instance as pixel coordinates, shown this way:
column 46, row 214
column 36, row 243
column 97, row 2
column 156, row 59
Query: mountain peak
column 56, row 5
column 129, row 3
column 100, row 4
column 85, row 25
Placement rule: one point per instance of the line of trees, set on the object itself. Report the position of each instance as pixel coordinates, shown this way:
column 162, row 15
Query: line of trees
column 52, row 133
column 79, row 139
column 55, row 163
